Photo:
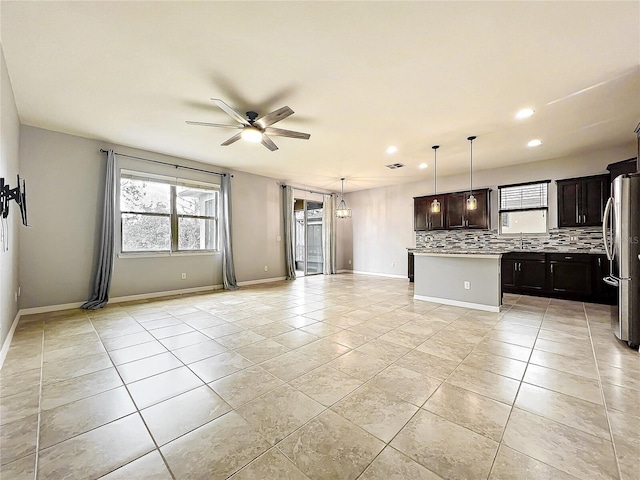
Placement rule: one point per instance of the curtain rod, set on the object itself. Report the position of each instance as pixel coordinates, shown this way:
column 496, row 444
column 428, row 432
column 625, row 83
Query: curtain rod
column 305, row 190
column 166, row 163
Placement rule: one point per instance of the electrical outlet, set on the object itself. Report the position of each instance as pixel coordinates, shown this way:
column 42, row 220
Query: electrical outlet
column 16, row 295
column 278, row 238
column 184, row 276
column 349, row 262
column 266, row 268
column 573, row 239
column 467, row 285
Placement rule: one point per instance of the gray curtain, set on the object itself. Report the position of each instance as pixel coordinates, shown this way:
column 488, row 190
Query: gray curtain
column 228, row 270
column 288, row 224
column 329, row 235
column 102, row 281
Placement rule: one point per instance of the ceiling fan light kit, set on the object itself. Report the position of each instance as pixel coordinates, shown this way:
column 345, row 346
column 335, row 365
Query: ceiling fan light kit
column 342, row 211
column 255, row 129
column 472, row 203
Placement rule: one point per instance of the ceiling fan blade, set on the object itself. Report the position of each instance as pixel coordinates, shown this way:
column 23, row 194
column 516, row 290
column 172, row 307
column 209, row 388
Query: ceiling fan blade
column 230, row 111
column 267, row 142
column 233, row 139
column 279, row 132
column 206, row 124
column 275, row 116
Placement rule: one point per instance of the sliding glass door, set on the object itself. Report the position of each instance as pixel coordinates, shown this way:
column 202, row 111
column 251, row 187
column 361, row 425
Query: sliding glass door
column 308, row 237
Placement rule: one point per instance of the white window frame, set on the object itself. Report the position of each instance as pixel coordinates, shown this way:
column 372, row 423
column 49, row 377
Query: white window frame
column 174, row 216
column 543, row 205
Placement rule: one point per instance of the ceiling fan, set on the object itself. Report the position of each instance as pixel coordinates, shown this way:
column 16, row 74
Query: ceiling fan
column 255, row 129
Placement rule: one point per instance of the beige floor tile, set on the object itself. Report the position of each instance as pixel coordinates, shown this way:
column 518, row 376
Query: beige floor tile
column 272, row 329
column 358, row 365
column 147, row 367
column 163, row 386
column 570, row 411
column 572, row 451
column 171, row 331
column 66, row 339
column 240, row 339
column 445, row 448
column 167, row 321
column 410, row 386
column 504, row 366
column 184, row 340
column 510, row 465
column 622, row 399
column 567, row 383
column 97, row 452
column 271, row 465
column 242, row 387
column 71, row 419
column 64, row 370
column 18, row 439
column 350, row 339
column 388, row 352
column 623, row 377
column 376, row 411
column 279, row 412
column 119, row 328
column 136, row 352
column 218, row 366
column 441, row 345
column 326, row 385
column 148, row 467
column 497, row 387
column 290, row 365
column 67, row 391
column 503, row 349
column 323, row 350
column 215, row 450
column 261, row 351
column 400, row 337
column 560, row 348
column 393, row 465
column 127, row 340
column 16, row 382
column 371, row 329
column 199, row 351
column 73, row 352
column 196, row 408
column 297, row 321
column 626, row 437
column 521, row 339
column 321, row 329
column 22, row 469
column 470, row 410
column 294, row 339
column 20, row 405
column 221, row 330
column 331, row 448
column 584, row 367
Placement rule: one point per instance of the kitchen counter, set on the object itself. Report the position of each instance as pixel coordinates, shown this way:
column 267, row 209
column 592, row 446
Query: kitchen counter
column 502, row 251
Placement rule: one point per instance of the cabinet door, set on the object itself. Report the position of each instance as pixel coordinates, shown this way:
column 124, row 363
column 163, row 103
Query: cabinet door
column 570, row 277
column 410, row 263
column 568, row 200
column 508, row 274
column 595, row 192
column 603, row 292
column 479, row 218
column 456, row 210
column 531, row 275
column 436, row 221
column 420, row 213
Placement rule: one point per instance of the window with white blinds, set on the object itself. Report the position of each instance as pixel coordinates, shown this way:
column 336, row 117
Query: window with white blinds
column 524, row 197
column 523, row 208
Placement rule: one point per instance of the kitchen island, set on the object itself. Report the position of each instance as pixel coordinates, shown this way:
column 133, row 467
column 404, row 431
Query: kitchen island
column 462, row 279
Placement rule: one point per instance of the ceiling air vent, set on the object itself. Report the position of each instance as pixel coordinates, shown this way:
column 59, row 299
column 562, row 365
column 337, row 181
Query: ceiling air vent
column 393, row 166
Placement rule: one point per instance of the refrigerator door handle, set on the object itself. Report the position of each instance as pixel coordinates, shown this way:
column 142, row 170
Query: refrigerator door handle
column 611, row 280
column 607, row 212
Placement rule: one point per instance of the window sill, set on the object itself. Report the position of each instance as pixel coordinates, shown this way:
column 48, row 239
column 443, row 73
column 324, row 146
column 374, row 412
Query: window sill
column 166, row 254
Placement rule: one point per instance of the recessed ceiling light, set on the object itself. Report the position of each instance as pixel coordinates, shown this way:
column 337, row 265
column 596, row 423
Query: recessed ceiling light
column 423, row 166
column 534, row 143
column 525, row 113
column 391, row 150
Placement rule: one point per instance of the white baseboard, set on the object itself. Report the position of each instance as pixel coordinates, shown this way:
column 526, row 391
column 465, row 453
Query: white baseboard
column 458, row 303
column 7, row 341
column 264, row 280
column 389, row 275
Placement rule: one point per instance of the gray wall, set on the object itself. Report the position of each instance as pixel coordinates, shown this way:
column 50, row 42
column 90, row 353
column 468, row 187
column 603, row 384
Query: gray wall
column 57, row 258
column 9, row 168
column 383, row 218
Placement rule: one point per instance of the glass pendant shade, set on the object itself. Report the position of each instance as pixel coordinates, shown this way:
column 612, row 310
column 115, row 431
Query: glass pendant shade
column 472, row 203
column 342, row 211
column 435, row 206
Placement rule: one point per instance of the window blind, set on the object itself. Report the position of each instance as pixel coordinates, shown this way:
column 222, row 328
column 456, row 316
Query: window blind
column 524, row 197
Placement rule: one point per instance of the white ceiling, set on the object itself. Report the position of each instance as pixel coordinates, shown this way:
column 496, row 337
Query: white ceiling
column 360, row 76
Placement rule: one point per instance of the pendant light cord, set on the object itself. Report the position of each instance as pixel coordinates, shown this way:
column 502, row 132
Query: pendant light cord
column 435, row 168
column 471, row 139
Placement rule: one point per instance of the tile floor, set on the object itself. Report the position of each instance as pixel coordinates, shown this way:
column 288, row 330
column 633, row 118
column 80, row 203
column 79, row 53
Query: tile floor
column 339, row 377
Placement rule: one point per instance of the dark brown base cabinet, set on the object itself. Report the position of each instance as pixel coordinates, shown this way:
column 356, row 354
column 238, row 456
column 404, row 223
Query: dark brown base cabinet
column 411, row 266
column 568, row 276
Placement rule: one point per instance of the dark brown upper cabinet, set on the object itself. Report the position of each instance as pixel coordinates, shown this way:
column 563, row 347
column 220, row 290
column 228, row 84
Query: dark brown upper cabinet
column 424, row 218
column 459, row 217
column 581, row 201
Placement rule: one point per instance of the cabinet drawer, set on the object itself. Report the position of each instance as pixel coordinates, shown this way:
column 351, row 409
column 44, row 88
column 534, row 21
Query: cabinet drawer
column 569, row 257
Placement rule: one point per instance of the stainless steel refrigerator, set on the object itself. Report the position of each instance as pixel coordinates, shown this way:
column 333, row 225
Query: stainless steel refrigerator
column 621, row 233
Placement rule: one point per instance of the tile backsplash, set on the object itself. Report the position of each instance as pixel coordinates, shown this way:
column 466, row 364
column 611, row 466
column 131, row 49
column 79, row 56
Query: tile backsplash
column 586, row 239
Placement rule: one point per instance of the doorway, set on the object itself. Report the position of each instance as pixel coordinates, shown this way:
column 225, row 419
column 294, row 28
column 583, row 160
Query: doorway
column 308, row 237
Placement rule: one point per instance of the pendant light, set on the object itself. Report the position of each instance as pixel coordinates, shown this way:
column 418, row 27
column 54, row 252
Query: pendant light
column 472, row 203
column 435, row 205
column 342, row 211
